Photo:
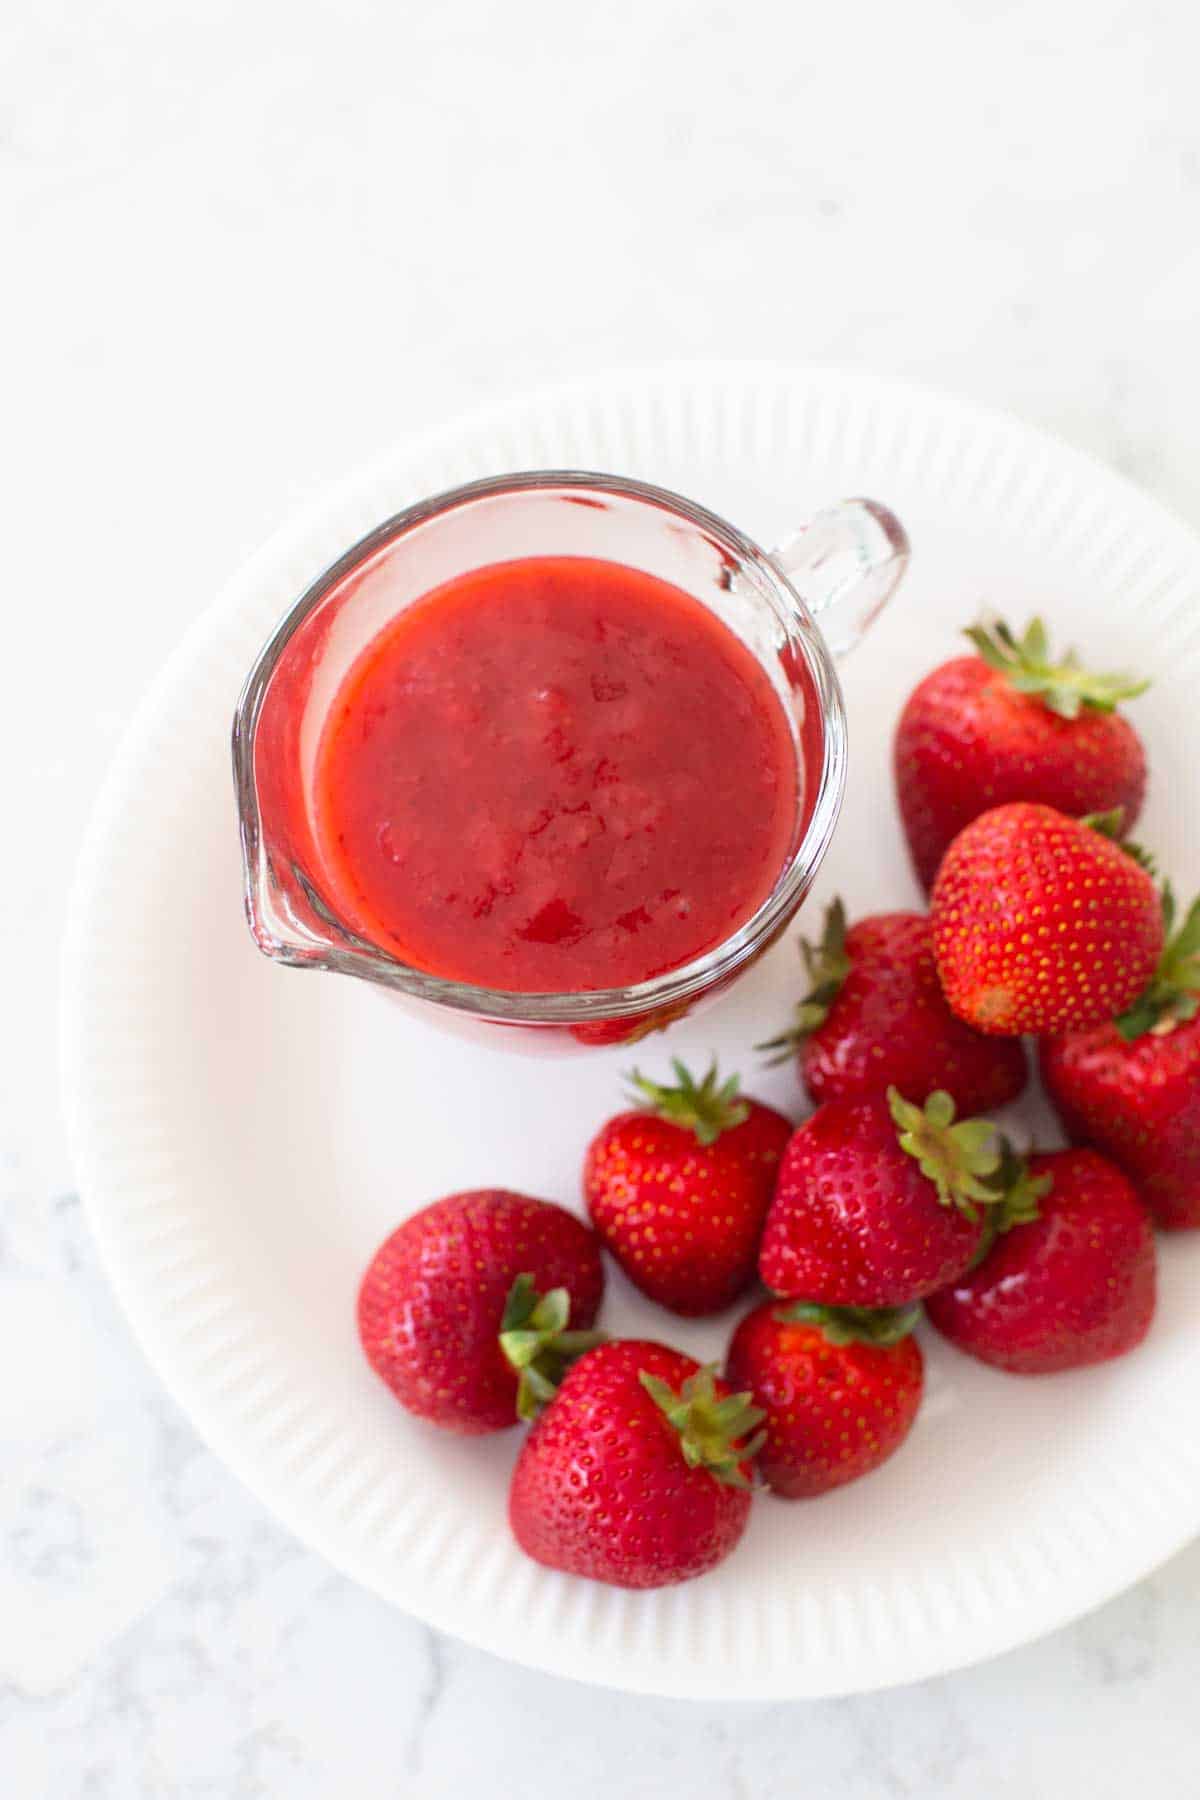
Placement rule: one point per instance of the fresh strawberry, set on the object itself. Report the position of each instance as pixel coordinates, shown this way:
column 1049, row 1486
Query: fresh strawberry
column 875, row 1017
column 1132, row 1089
column 1006, row 725
column 464, row 1309
column 879, row 1202
column 1042, row 923
column 679, row 1191
column 839, row 1389
column 1071, row 1287
column 638, row 1472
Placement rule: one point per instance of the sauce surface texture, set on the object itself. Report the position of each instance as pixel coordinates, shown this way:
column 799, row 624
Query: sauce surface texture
column 557, row 774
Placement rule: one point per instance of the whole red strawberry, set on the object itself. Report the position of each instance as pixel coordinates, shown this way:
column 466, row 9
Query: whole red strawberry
column 678, row 1191
column 1042, row 923
column 1132, row 1088
column 458, row 1277
column 1006, row 725
column 637, row 1473
column 839, row 1389
column 880, row 1201
column 875, row 1017
column 1073, row 1286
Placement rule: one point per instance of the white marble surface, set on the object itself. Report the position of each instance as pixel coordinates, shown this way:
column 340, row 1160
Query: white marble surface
column 248, row 243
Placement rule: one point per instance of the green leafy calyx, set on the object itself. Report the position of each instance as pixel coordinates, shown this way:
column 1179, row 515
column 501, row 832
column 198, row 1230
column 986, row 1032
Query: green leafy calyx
column 713, row 1431
column 537, row 1344
column 961, row 1160
column 827, row 966
column 1174, row 992
column 1018, row 1190
column 1017, row 1196
column 880, row 1325
column 1064, row 687
column 707, row 1107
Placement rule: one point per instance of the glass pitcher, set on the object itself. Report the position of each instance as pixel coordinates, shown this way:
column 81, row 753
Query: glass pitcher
column 841, row 568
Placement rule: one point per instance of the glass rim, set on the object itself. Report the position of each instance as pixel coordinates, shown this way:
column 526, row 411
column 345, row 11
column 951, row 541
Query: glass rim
column 677, row 987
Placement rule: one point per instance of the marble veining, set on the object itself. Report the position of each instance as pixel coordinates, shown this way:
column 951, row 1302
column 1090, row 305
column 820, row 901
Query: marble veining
column 247, row 244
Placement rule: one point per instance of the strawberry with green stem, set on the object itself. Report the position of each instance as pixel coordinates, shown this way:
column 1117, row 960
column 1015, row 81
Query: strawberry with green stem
column 875, row 1017
column 1071, row 1286
column 1131, row 1087
column 679, row 1188
column 839, row 1388
column 881, row 1201
column 639, row 1471
column 473, row 1308
column 1012, row 723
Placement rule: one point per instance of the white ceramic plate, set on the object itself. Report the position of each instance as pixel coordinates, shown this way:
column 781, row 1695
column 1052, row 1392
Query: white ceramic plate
column 245, row 1135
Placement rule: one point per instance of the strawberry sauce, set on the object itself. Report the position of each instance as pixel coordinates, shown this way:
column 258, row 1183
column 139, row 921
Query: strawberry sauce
column 556, row 775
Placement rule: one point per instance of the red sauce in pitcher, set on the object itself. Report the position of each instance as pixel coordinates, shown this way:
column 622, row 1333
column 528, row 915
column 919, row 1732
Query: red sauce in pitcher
column 555, row 775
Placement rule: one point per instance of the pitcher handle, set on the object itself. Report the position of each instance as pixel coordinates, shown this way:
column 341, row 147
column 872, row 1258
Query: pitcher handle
column 845, row 564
